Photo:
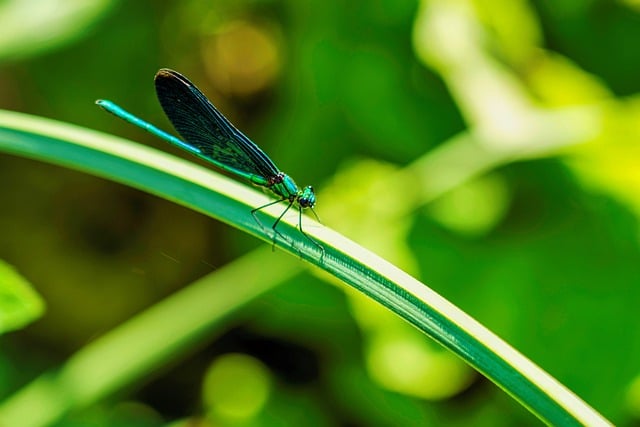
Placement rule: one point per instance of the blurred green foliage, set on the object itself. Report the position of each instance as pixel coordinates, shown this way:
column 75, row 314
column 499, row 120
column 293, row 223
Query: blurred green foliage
column 523, row 114
column 19, row 304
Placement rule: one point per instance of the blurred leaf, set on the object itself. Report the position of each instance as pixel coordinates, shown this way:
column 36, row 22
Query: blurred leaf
column 610, row 164
column 19, row 303
column 559, row 82
column 513, row 25
column 30, row 27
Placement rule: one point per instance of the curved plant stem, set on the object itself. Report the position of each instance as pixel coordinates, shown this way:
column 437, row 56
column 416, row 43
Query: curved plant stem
column 231, row 202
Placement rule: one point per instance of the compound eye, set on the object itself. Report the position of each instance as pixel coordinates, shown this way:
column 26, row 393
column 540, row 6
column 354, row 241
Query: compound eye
column 306, row 202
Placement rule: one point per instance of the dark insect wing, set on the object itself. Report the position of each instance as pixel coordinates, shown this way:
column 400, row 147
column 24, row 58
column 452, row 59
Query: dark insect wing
column 204, row 127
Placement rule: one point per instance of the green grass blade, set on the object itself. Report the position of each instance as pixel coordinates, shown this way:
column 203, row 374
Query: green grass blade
column 231, row 202
column 147, row 342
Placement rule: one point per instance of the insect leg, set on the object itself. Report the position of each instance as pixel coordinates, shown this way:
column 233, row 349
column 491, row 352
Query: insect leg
column 255, row 217
column 276, row 233
column 275, row 224
column 318, row 245
column 315, row 214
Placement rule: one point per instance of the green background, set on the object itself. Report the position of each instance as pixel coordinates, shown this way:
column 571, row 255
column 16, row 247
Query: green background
column 539, row 244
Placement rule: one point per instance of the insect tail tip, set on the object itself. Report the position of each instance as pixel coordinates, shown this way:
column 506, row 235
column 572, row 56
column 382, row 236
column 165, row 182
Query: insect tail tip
column 106, row 105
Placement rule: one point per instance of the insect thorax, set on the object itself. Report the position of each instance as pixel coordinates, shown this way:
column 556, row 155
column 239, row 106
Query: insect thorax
column 284, row 186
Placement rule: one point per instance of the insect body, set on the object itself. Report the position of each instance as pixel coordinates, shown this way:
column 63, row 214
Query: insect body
column 210, row 136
